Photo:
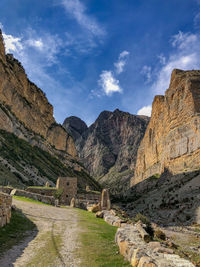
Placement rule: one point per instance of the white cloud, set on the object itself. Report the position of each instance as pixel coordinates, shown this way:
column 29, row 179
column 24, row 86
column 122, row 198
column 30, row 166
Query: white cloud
column 12, row 44
column 36, row 43
column 183, row 40
column 146, row 111
column 108, row 83
column 146, row 71
column 162, row 59
column 185, row 56
column 78, row 10
column 120, row 64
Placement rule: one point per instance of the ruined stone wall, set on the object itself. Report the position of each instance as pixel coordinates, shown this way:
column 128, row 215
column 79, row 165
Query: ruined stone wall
column 84, row 199
column 5, row 208
column 172, row 138
column 45, row 199
column 6, row 189
column 42, row 191
column 68, row 185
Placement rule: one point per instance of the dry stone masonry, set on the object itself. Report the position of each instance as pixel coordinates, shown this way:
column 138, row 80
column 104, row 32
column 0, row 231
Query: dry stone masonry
column 68, row 185
column 137, row 248
column 5, row 208
column 172, row 138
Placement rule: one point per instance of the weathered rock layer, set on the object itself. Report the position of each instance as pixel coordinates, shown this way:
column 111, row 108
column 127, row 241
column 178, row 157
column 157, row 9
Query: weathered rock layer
column 172, row 138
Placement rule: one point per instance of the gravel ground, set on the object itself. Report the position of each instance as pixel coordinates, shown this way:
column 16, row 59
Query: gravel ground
column 53, row 244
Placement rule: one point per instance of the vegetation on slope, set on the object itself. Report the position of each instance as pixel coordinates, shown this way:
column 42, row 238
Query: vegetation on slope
column 22, row 164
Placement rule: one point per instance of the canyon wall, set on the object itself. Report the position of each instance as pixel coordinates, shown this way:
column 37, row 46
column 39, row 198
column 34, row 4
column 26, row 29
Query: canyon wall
column 29, row 104
column 172, row 138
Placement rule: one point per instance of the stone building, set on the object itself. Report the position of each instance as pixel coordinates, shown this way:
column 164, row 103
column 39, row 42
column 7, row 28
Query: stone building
column 68, row 185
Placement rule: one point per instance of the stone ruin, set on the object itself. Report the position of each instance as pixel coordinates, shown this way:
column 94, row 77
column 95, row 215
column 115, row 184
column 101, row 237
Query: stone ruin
column 105, row 200
column 68, row 185
column 5, row 208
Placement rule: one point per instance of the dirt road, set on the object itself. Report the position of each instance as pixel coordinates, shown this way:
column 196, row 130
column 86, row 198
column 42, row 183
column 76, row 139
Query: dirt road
column 54, row 243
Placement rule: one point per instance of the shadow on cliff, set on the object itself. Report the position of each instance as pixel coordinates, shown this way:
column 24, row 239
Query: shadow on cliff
column 15, row 237
column 166, row 199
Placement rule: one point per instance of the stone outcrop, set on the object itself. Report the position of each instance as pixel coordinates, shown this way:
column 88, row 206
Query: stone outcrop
column 108, row 148
column 172, row 138
column 29, row 104
column 5, row 208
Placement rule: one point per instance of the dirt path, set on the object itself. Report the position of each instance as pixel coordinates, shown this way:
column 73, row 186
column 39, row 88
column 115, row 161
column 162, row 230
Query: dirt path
column 53, row 244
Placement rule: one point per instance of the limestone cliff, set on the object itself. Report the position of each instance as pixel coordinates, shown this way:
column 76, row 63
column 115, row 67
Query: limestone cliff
column 29, row 104
column 109, row 146
column 172, row 138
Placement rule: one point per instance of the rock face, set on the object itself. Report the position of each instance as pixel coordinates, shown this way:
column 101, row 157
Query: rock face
column 29, row 104
column 47, row 150
column 109, row 146
column 172, row 138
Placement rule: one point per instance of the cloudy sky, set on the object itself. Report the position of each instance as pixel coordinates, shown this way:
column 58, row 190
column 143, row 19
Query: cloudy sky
column 95, row 55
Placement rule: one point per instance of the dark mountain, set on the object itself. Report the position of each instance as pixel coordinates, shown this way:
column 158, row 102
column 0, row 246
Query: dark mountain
column 108, row 148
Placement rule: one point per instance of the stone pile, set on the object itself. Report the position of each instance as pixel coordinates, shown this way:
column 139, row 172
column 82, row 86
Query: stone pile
column 136, row 250
column 5, row 208
column 142, row 254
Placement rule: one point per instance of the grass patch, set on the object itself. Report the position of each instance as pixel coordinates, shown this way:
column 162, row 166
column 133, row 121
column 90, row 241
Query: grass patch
column 41, row 187
column 48, row 251
column 29, row 200
column 15, row 231
column 98, row 245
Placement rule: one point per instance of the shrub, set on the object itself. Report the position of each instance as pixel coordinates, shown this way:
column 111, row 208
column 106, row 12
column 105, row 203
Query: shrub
column 142, row 218
column 159, row 234
column 58, row 193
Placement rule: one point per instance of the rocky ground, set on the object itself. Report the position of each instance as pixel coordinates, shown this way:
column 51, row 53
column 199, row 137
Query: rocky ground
column 54, row 241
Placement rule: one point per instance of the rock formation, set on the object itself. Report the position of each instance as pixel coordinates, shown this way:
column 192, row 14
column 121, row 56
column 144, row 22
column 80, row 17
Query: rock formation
column 29, row 104
column 109, row 146
column 172, row 138
column 47, row 150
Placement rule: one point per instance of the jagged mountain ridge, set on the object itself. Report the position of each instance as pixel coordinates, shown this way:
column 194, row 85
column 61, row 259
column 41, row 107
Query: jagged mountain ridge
column 108, row 148
column 25, row 113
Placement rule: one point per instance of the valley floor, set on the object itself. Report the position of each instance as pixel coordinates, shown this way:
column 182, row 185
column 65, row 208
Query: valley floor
column 54, row 242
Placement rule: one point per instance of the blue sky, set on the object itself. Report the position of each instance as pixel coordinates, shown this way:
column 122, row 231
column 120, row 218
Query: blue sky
column 95, row 55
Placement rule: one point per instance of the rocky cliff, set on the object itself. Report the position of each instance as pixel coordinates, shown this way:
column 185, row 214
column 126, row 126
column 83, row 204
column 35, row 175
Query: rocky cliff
column 29, row 104
column 172, row 138
column 47, row 150
column 108, row 148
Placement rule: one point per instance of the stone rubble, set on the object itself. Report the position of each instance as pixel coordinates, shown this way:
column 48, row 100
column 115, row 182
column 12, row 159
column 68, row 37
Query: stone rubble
column 138, row 252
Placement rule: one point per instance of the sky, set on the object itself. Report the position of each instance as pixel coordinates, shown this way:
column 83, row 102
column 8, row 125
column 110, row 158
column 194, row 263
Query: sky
column 94, row 55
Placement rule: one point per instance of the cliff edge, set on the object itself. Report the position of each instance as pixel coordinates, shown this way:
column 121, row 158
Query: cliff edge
column 172, row 138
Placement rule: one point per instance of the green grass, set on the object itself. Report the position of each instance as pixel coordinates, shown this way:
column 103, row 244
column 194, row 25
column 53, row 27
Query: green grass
column 29, row 200
column 48, row 251
column 98, row 245
column 41, row 187
column 15, row 231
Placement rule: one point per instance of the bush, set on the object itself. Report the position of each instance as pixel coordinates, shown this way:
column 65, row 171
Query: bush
column 142, row 218
column 58, row 193
column 159, row 234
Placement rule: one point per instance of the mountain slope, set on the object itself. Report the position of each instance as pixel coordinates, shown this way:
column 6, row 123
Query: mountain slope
column 108, row 148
